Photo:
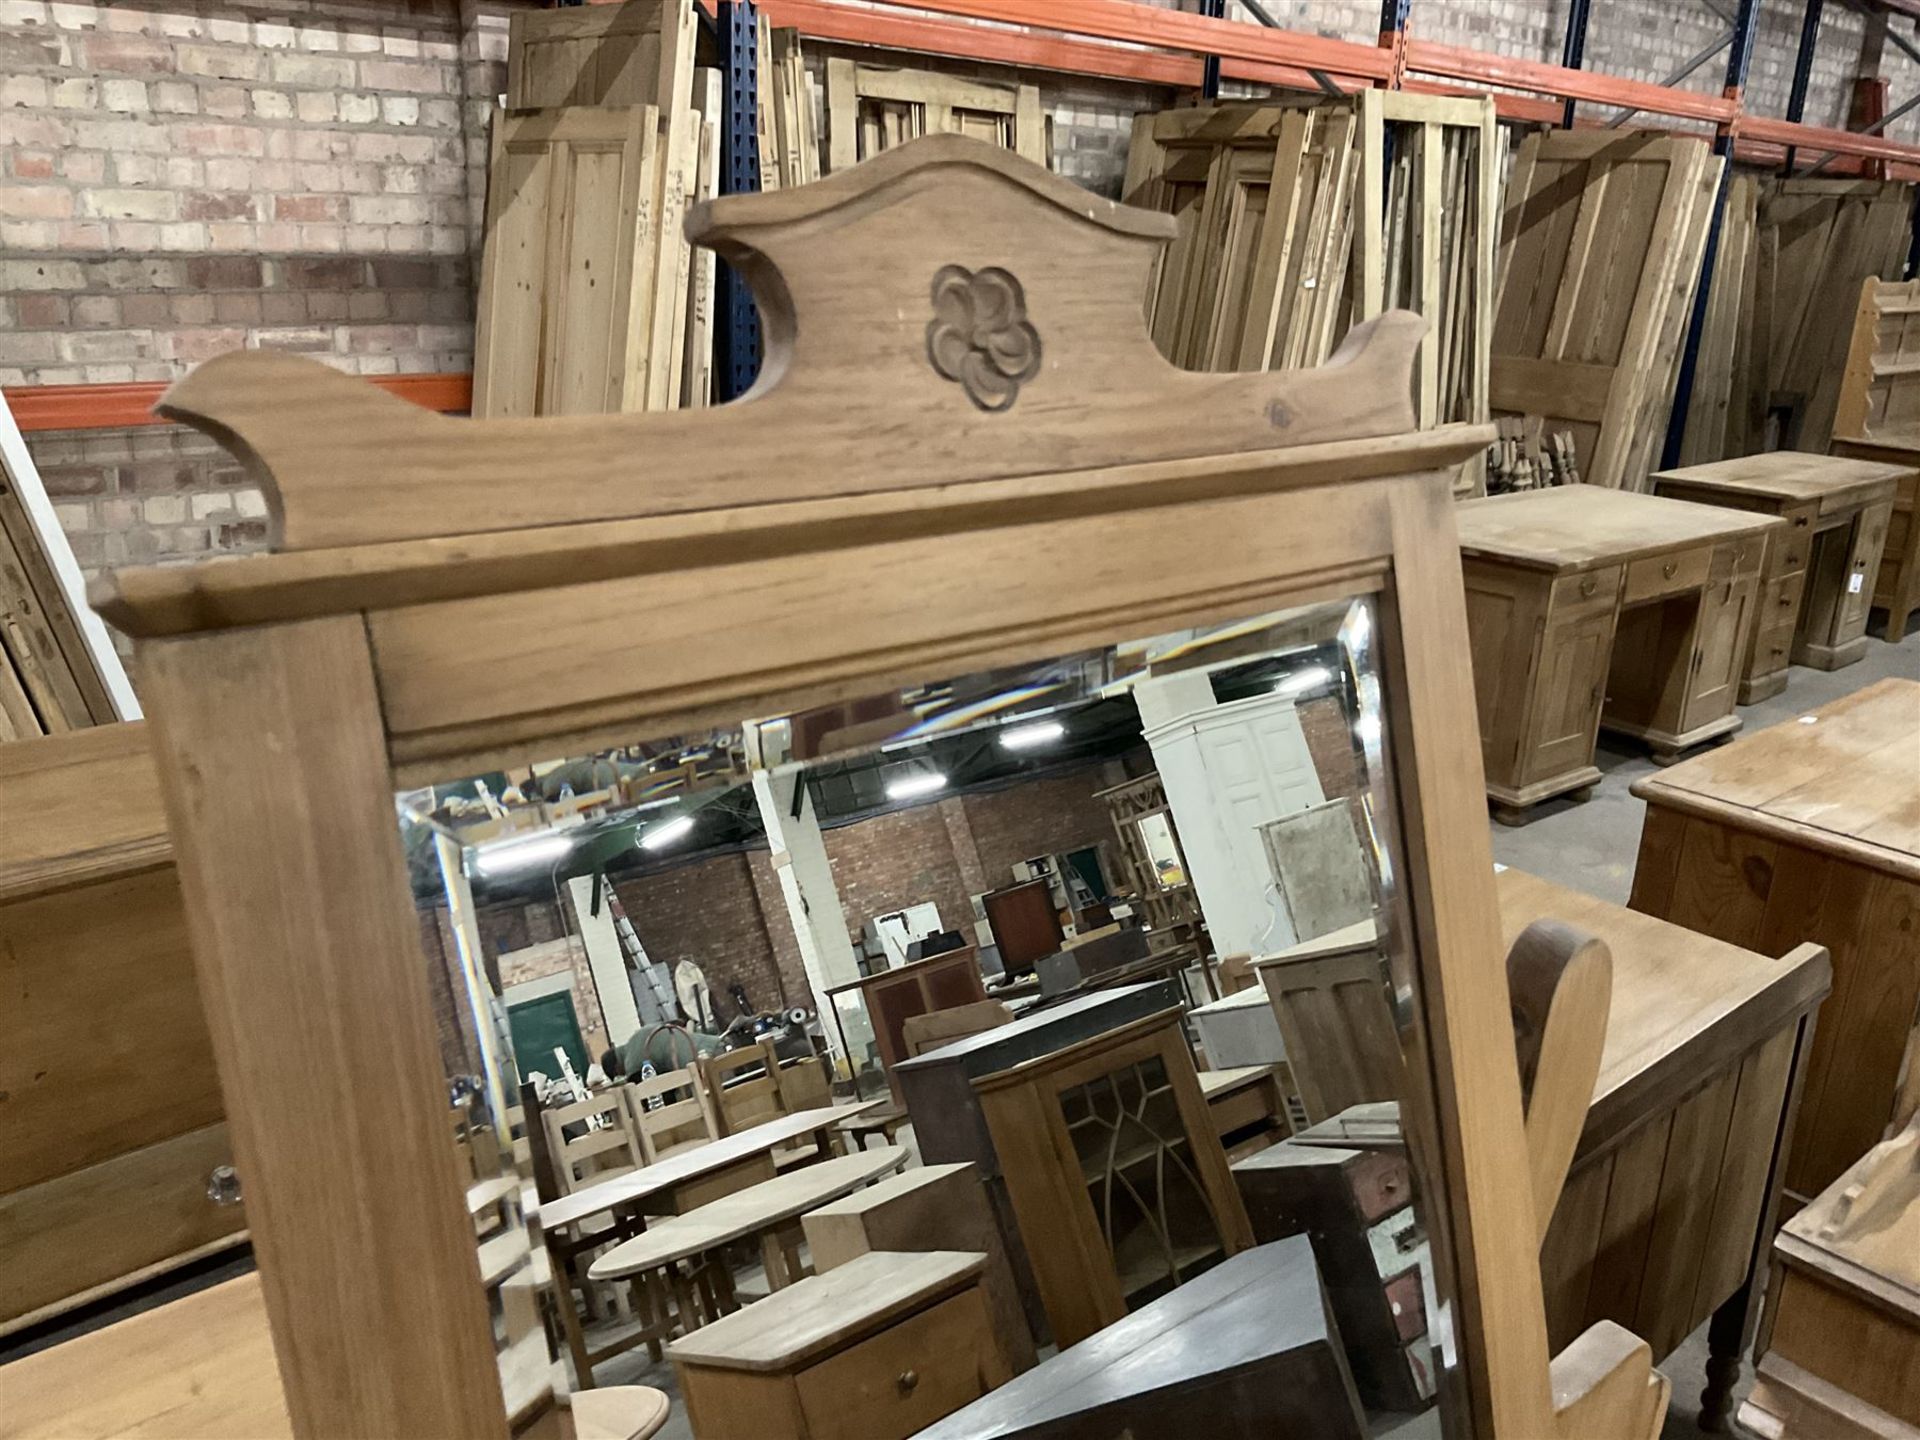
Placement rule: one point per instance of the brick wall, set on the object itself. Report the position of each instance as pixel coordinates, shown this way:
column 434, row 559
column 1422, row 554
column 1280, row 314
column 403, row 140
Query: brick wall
column 180, row 178
column 190, row 177
column 1329, row 737
column 1045, row 816
column 453, row 1021
column 709, row 911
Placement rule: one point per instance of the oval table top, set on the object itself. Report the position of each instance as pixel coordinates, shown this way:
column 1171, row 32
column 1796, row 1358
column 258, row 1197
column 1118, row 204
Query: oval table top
column 746, row 1212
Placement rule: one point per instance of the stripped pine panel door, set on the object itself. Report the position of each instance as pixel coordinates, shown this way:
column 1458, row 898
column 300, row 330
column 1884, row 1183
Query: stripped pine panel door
column 628, row 54
column 1592, row 244
column 871, row 108
column 564, row 307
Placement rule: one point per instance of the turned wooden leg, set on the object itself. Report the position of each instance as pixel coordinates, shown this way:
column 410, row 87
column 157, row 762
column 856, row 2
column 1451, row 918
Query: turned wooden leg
column 1726, row 1339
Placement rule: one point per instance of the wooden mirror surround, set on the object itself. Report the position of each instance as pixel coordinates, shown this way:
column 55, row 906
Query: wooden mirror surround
column 963, row 452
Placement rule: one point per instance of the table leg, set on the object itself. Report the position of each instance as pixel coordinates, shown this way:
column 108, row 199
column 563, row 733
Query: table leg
column 774, row 1257
column 1726, row 1338
column 562, row 1266
column 652, row 1315
column 686, row 1301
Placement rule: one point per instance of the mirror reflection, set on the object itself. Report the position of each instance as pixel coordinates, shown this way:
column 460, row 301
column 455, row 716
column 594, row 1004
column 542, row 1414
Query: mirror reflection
column 1090, row 967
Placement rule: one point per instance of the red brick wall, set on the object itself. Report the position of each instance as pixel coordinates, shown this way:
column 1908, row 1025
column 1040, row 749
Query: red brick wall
column 180, row 178
column 894, row 860
column 1039, row 817
column 709, row 911
column 453, row 1022
column 1329, row 737
column 187, row 177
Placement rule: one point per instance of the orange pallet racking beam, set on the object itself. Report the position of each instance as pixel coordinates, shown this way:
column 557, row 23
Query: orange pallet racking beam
column 117, row 406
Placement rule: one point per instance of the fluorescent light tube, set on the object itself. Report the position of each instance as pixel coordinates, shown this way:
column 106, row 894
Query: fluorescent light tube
column 1305, row 679
column 1032, row 737
column 661, row 836
column 519, row 854
column 909, row 787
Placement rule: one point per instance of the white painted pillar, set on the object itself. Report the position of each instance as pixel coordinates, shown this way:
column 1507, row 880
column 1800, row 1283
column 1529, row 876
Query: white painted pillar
column 812, row 900
column 607, row 962
column 495, row 1051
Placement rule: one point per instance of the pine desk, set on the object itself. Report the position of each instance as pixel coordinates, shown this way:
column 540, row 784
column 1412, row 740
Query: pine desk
column 1821, row 570
column 1589, row 607
column 1810, row 831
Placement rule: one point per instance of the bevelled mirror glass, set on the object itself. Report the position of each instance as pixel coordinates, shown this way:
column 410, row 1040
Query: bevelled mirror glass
column 1133, row 913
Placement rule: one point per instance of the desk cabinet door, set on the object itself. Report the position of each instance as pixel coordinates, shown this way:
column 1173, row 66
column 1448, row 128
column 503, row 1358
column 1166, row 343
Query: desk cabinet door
column 1566, row 700
column 1863, row 567
column 1726, row 617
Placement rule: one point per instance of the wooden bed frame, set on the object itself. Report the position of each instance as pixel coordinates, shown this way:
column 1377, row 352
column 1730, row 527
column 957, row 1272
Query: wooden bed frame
column 959, row 409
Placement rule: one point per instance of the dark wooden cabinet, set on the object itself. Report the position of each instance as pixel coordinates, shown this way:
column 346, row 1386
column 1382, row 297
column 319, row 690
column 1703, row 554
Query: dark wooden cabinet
column 894, row 996
column 1115, row 1171
column 1246, row 1352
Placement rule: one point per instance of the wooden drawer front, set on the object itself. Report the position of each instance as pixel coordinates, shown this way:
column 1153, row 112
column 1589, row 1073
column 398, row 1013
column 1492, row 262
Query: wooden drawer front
column 1780, row 600
column 1796, row 541
column 1589, row 590
column 102, row 1226
column 908, row 1376
column 1249, row 1105
column 1771, row 649
column 1673, row 574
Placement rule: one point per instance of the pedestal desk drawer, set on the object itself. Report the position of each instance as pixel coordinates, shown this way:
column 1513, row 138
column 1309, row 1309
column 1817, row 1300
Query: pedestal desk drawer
column 1673, row 574
column 911, row 1374
column 1590, row 590
column 1780, row 601
column 1771, row 648
column 1796, row 541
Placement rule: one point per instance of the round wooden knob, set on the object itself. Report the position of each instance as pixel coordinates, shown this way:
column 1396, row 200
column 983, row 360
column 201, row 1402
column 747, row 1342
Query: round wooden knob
column 1588, row 586
column 1669, row 568
column 907, row 1381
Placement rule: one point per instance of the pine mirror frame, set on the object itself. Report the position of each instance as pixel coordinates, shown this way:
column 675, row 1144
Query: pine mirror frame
column 963, row 452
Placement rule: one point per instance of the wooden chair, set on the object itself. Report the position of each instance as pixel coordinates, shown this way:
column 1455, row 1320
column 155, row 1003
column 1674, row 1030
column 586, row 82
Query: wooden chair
column 937, row 1027
column 594, row 1154
column 745, row 1102
column 780, row 1088
column 682, row 1118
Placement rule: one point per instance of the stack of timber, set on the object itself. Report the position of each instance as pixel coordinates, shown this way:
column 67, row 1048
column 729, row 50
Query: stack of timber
column 1720, row 423
column 1793, row 256
column 1256, row 277
column 1298, row 221
column 591, row 300
column 788, row 118
column 50, row 681
column 1430, row 192
column 1601, row 249
column 871, row 108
